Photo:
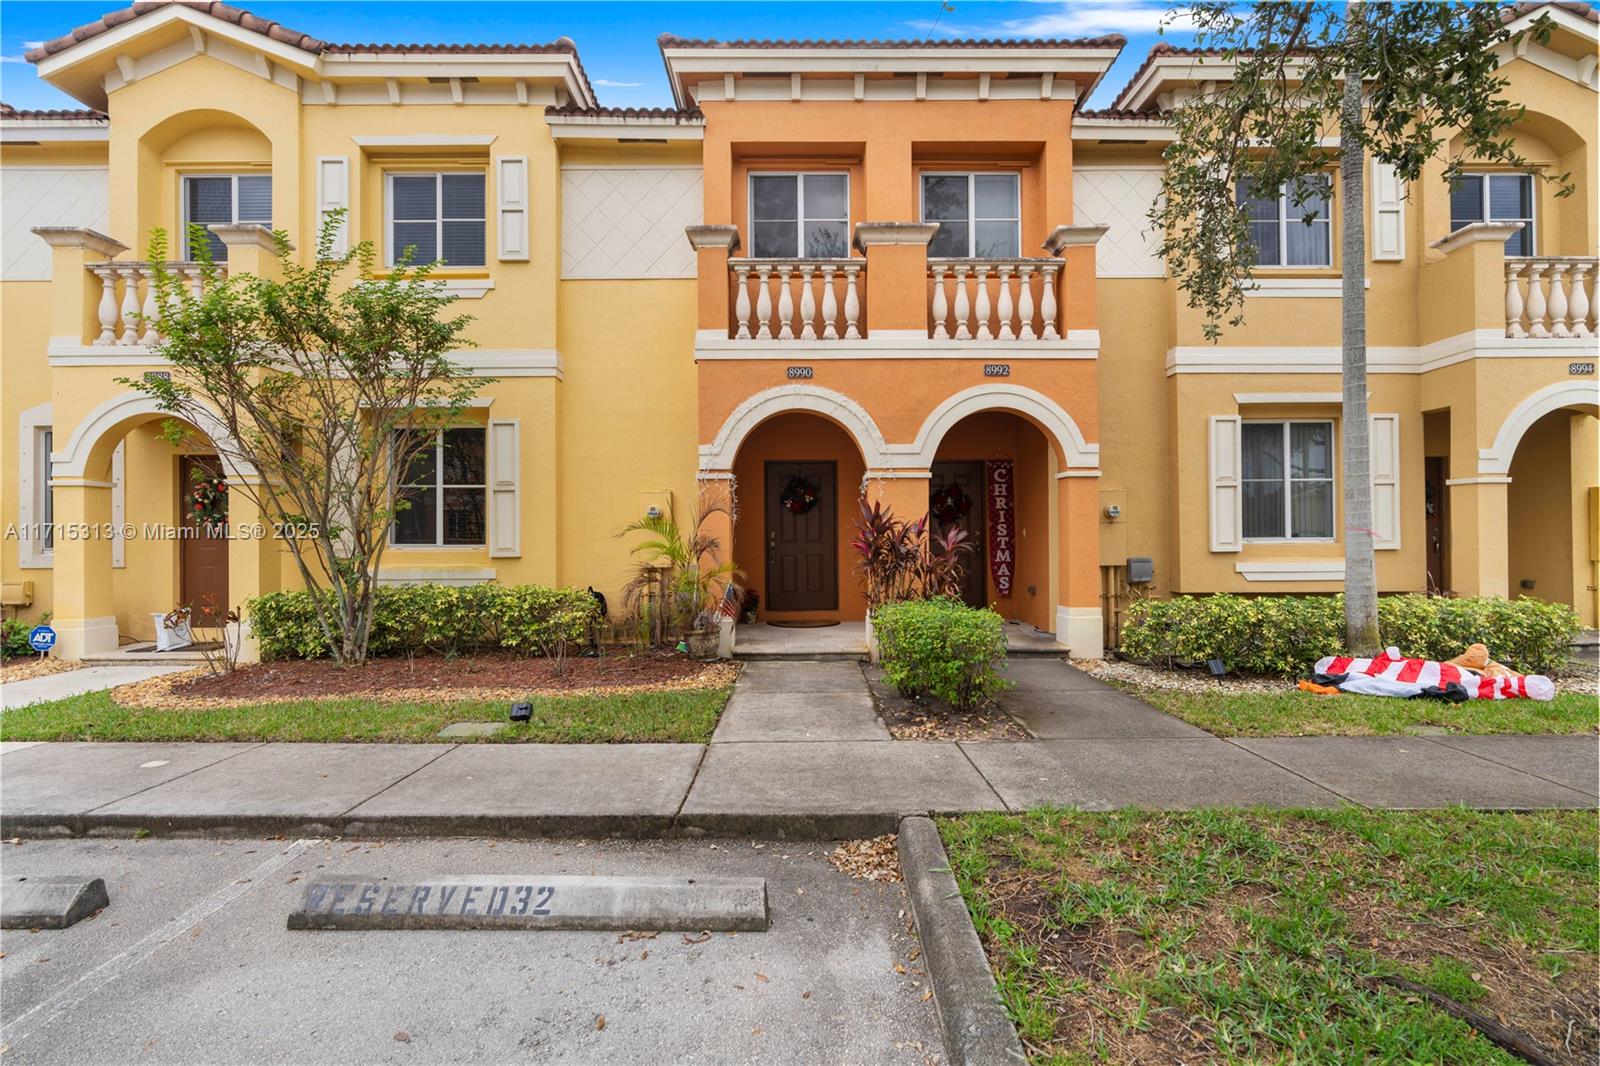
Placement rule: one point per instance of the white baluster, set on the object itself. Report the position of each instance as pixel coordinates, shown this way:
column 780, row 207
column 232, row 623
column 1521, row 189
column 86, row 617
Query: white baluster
column 130, row 305
column 1536, row 300
column 1025, row 302
column 763, row 304
column 1580, row 300
column 981, row 285
column 963, row 333
column 830, row 304
column 1514, row 300
column 1558, row 301
column 941, row 307
column 1048, row 275
column 1006, row 332
column 108, row 304
column 197, row 280
column 149, row 336
column 808, row 304
column 785, row 305
column 741, row 302
column 852, row 304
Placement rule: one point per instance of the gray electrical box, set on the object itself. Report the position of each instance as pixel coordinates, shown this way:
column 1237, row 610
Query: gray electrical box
column 1141, row 570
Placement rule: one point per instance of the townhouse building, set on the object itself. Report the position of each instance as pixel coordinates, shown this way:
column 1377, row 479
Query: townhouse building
column 914, row 272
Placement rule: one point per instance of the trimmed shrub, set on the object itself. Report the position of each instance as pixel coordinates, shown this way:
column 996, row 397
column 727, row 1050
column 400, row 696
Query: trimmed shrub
column 941, row 647
column 441, row 619
column 1288, row 634
column 14, row 637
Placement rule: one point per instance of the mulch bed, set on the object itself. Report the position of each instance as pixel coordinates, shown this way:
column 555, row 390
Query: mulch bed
column 928, row 719
column 429, row 678
column 15, row 670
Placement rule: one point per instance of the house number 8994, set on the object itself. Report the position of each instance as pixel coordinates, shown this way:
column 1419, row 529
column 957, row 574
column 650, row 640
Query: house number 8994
column 1580, row 368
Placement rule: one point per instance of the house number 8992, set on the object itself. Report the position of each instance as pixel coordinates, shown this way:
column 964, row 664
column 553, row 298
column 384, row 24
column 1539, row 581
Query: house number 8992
column 996, row 370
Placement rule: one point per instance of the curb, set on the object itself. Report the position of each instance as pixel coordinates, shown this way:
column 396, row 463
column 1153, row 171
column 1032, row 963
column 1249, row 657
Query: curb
column 972, row 1023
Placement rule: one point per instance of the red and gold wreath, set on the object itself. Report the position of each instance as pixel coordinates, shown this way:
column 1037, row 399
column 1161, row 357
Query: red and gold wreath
column 207, row 501
column 950, row 504
column 799, row 495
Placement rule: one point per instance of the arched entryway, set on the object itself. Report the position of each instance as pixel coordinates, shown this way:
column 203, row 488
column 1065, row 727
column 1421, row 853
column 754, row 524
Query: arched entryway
column 1549, row 509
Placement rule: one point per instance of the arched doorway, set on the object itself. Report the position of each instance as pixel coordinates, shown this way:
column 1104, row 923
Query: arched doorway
column 1550, row 511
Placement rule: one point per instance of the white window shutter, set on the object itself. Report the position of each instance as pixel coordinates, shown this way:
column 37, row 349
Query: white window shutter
column 333, row 192
column 511, row 193
column 505, row 488
column 1227, row 505
column 1385, row 458
column 1388, row 212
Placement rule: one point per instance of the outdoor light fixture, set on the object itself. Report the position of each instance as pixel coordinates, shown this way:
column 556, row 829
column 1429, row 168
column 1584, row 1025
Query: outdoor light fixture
column 521, row 712
column 1217, row 667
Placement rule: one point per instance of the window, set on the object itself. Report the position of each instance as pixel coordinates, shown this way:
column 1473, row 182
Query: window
column 790, row 212
column 1293, row 500
column 225, row 199
column 979, row 215
column 440, row 215
column 44, row 511
column 1291, row 225
column 445, row 486
column 1495, row 198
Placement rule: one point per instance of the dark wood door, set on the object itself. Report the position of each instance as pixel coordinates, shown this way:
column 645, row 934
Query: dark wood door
column 1437, row 500
column 968, row 477
column 803, row 548
column 203, row 549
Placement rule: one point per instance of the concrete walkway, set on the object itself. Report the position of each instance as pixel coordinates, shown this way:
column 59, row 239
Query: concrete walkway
column 76, row 682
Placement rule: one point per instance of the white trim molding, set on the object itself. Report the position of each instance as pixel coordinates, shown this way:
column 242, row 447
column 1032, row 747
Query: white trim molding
column 1577, row 392
column 427, row 140
column 32, row 468
column 1329, row 288
column 1245, row 398
column 115, row 417
column 1291, row 571
column 782, row 399
column 510, row 362
column 1489, row 479
column 458, row 576
column 1417, row 359
column 1048, row 415
column 1082, row 630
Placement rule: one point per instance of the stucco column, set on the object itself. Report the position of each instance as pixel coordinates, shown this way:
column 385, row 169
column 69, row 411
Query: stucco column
column 897, row 276
column 1480, row 556
column 75, row 293
column 718, row 504
column 254, row 566
column 1079, row 624
column 713, row 246
column 82, row 613
column 251, row 249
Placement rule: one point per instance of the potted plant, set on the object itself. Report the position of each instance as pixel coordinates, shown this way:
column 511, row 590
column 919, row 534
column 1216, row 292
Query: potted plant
column 749, row 605
column 678, row 583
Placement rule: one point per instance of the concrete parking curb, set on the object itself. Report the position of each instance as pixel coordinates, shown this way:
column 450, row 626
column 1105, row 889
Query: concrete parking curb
column 972, row 1021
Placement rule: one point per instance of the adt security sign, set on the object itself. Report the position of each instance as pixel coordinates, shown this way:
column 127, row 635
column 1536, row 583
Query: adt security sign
column 42, row 639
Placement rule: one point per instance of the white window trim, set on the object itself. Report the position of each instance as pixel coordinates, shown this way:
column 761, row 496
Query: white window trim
column 33, row 470
column 1288, row 480
column 972, row 201
column 391, row 252
column 438, row 500
column 1532, row 221
column 799, row 206
column 1284, row 206
column 233, row 200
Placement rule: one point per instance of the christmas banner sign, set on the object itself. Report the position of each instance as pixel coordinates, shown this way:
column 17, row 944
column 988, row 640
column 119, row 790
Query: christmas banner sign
column 1002, row 543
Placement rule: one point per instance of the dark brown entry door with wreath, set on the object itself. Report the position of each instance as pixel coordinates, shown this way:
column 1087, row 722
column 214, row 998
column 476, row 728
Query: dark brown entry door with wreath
column 802, row 537
column 203, row 549
column 964, row 482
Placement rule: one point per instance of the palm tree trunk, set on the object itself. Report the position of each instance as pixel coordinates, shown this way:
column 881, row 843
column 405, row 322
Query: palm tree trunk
column 1360, row 568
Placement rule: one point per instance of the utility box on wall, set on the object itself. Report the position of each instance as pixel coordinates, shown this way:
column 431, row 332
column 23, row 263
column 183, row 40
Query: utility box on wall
column 1141, row 570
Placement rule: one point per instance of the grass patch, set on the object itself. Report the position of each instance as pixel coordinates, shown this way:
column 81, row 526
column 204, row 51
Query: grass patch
column 679, row 715
column 1293, row 713
column 1258, row 936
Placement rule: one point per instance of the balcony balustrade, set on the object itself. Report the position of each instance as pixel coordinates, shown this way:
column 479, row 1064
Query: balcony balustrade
column 994, row 299
column 797, row 299
column 1550, row 296
column 127, row 304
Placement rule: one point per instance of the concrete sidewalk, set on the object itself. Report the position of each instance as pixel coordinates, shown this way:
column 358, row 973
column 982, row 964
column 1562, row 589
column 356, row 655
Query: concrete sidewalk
column 77, row 682
column 793, row 788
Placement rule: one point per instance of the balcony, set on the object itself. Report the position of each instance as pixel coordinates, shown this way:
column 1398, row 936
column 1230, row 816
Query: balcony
column 828, row 307
column 127, row 303
column 1550, row 296
column 993, row 299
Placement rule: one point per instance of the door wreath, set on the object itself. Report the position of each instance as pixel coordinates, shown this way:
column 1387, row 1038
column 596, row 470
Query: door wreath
column 799, row 495
column 950, row 504
column 208, row 499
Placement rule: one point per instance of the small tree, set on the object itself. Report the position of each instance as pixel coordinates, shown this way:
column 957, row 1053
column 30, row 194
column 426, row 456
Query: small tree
column 327, row 388
column 1391, row 81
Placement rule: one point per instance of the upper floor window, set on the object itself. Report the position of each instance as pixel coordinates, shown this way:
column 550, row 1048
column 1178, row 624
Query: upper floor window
column 1287, row 478
column 1291, row 225
column 225, row 199
column 979, row 215
column 445, row 485
column 1495, row 198
column 440, row 215
column 794, row 215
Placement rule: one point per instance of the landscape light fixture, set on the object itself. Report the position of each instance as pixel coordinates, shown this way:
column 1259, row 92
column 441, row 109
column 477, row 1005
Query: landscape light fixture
column 521, row 712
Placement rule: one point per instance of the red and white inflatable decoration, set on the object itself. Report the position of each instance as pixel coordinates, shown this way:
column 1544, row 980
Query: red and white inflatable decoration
column 1391, row 674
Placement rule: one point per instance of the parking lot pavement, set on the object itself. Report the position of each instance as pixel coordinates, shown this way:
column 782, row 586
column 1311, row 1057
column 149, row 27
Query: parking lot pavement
column 192, row 963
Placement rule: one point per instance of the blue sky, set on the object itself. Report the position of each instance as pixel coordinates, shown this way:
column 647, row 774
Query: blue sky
column 616, row 40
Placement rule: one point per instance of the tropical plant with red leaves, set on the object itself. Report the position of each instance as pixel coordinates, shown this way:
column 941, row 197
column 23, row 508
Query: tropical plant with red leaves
column 900, row 560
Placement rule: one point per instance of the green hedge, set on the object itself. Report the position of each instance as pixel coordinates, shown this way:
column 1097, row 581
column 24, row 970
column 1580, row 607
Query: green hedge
column 940, row 647
column 1288, row 634
column 434, row 618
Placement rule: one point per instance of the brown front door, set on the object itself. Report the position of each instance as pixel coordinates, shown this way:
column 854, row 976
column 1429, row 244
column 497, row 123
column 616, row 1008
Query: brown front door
column 203, row 549
column 968, row 477
column 1437, row 496
column 802, row 548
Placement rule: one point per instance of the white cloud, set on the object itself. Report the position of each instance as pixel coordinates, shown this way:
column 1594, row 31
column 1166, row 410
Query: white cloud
column 607, row 83
column 12, row 59
column 31, row 45
column 1066, row 18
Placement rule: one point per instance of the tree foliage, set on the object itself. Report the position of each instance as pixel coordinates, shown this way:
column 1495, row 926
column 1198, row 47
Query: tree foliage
column 319, row 385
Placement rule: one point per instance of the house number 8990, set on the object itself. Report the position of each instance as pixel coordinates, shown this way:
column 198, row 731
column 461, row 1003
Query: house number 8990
column 799, row 372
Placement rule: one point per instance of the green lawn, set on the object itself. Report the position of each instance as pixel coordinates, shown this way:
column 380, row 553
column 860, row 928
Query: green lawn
column 1259, row 936
column 1293, row 713
column 680, row 715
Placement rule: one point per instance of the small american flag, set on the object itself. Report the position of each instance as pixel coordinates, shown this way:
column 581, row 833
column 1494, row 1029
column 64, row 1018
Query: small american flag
column 730, row 602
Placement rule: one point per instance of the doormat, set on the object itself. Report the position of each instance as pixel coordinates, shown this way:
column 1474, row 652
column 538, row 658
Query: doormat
column 810, row 624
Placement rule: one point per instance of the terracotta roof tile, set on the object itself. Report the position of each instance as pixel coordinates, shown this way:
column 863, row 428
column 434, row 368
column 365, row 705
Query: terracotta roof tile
column 241, row 18
column 60, row 114
column 1124, row 114
column 692, row 114
column 1582, row 10
column 1111, row 40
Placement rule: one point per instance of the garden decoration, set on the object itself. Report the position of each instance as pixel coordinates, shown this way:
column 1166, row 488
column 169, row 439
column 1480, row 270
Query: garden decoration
column 207, row 502
column 1392, row 674
column 1002, row 546
column 799, row 495
column 950, row 504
